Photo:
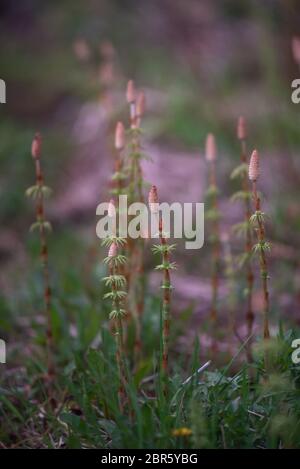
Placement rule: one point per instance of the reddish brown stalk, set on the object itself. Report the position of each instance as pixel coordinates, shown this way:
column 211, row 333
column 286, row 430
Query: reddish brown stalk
column 263, row 263
column 165, row 266
column 40, row 217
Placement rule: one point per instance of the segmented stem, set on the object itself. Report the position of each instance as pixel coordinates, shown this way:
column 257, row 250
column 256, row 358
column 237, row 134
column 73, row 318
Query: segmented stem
column 136, row 275
column 118, row 332
column 40, row 218
column 263, row 262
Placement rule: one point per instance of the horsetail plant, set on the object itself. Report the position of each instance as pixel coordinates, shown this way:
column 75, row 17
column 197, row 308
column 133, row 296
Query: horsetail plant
column 164, row 249
column 262, row 246
column 244, row 228
column 136, row 286
column 39, row 192
column 213, row 215
column 116, row 282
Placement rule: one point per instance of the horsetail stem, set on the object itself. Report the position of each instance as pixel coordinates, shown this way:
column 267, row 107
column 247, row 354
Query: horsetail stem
column 117, row 282
column 39, row 192
column 164, row 249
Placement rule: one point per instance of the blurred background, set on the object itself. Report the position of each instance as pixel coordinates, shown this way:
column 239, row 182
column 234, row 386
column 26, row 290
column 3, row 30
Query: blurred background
column 201, row 65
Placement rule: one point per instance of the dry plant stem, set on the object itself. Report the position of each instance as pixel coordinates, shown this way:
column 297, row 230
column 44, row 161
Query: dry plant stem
column 40, row 216
column 248, row 250
column 263, row 264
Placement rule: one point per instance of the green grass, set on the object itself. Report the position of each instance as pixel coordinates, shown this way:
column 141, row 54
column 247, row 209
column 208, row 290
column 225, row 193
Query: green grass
column 224, row 407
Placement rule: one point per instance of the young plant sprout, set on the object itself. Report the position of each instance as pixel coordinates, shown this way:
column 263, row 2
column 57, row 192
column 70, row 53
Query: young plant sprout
column 262, row 246
column 164, row 249
column 39, row 192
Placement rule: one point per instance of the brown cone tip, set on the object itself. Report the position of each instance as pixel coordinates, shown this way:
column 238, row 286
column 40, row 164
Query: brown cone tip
column 36, row 146
column 296, row 49
column 241, row 128
column 153, row 199
column 210, row 148
column 119, row 136
column 254, row 166
column 130, row 92
column 111, row 211
column 140, row 104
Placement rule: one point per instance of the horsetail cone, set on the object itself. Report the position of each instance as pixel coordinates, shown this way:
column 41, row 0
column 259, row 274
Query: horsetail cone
column 111, row 211
column 296, row 49
column 254, row 166
column 153, row 199
column 36, row 146
column 140, row 104
column 120, row 136
column 210, row 148
column 241, row 130
column 130, row 92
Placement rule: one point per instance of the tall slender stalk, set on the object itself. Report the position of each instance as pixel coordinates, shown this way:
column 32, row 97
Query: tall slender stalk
column 164, row 249
column 135, row 193
column 244, row 228
column 262, row 246
column 38, row 192
column 213, row 215
column 117, row 282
